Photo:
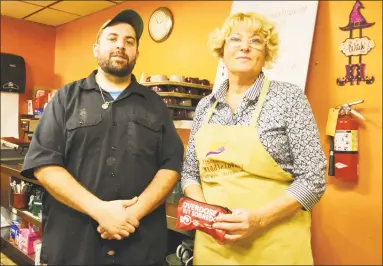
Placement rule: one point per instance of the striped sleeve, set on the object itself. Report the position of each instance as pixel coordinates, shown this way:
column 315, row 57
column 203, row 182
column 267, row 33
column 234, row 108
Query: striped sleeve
column 309, row 161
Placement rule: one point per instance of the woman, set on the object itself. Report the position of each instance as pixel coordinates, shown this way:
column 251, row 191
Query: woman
column 254, row 147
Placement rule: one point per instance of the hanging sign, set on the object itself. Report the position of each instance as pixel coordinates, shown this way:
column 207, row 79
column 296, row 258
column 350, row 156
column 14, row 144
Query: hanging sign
column 356, row 47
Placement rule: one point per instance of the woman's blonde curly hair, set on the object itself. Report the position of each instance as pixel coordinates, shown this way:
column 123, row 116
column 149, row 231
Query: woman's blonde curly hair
column 257, row 23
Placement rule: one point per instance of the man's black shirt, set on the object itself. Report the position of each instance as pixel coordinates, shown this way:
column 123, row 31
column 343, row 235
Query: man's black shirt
column 115, row 154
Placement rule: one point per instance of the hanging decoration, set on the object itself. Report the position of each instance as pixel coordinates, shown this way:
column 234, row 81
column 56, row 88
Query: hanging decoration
column 356, row 47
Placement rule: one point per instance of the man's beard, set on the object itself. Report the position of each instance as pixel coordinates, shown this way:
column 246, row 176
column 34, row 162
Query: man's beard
column 118, row 69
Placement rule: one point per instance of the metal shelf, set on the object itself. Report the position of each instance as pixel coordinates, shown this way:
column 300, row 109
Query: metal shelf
column 12, row 251
column 174, row 83
column 26, row 215
column 180, row 95
column 181, row 107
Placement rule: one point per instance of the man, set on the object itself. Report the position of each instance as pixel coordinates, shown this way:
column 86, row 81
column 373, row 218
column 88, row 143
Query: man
column 107, row 160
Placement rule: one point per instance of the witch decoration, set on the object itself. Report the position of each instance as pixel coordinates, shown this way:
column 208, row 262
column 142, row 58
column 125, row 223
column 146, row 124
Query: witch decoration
column 356, row 47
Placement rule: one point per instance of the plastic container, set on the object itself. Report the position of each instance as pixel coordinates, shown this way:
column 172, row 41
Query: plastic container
column 36, row 210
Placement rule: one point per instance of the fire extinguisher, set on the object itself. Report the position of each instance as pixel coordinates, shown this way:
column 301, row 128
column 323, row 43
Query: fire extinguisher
column 344, row 157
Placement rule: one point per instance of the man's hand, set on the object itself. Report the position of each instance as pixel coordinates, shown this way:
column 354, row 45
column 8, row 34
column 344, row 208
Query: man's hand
column 112, row 216
column 130, row 212
column 239, row 225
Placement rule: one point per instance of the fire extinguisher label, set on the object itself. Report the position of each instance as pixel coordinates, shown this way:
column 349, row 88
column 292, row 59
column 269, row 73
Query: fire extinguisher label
column 346, row 140
column 340, row 165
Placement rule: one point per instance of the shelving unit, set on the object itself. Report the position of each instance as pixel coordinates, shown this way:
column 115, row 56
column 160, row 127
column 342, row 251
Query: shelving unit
column 181, row 107
column 181, row 122
column 180, row 95
column 10, row 171
column 13, row 251
column 26, row 215
column 182, row 84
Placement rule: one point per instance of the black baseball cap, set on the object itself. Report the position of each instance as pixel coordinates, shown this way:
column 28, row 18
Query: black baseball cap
column 128, row 16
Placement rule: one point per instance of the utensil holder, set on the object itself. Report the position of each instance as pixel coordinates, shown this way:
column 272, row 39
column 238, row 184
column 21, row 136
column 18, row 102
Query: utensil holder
column 19, row 200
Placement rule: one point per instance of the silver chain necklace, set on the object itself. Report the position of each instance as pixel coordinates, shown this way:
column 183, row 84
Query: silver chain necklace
column 105, row 105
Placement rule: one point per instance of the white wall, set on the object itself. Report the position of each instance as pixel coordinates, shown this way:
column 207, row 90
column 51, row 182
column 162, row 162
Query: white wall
column 295, row 22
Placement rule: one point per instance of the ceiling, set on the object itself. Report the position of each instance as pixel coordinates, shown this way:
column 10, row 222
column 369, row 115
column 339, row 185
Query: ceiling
column 53, row 13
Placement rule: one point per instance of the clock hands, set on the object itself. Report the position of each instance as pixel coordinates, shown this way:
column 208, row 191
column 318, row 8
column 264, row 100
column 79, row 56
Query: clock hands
column 159, row 22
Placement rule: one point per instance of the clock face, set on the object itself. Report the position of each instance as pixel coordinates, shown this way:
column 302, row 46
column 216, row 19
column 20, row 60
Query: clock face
column 160, row 24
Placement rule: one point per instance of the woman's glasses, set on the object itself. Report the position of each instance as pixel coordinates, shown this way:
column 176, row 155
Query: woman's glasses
column 235, row 41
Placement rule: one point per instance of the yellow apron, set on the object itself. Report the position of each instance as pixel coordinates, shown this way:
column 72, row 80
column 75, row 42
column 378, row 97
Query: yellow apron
column 237, row 172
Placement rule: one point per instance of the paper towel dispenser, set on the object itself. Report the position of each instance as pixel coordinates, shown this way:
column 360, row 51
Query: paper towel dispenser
column 13, row 73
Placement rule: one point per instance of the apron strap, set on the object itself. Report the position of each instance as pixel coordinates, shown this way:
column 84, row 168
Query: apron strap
column 261, row 100
column 258, row 108
column 210, row 112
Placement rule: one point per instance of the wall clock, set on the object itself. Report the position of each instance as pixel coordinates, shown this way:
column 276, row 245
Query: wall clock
column 160, row 24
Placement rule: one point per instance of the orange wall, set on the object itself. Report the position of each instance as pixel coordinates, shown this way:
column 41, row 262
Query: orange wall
column 36, row 43
column 348, row 220
column 183, row 53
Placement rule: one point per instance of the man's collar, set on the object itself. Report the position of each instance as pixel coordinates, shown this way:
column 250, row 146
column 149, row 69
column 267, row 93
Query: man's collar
column 90, row 84
column 251, row 94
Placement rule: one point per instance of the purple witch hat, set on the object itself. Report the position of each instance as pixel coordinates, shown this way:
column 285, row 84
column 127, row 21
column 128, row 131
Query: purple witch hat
column 356, row 20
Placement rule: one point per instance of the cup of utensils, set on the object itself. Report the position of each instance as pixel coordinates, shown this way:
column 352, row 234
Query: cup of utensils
column 19, row 192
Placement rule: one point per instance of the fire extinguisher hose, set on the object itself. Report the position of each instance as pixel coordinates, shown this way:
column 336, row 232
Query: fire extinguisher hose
column 331, row 167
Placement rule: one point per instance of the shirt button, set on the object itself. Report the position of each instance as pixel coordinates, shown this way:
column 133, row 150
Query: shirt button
column 112, row 174
column 114, row 148
column 114, row 123
column 111, row 252
column 110, row 161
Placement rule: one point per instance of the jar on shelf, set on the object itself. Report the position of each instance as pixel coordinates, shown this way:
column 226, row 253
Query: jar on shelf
column 180, row 114
column 169, row 100
column 192, row 80
column 177, row 89
column 159, row 88
column 204, row 82
column 185, row 102
column 192, row 91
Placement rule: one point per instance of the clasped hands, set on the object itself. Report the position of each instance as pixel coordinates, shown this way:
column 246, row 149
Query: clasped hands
column 240, row 224
column 117, row 219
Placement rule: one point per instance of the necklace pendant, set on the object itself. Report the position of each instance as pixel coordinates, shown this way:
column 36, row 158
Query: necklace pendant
column 105, row 105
